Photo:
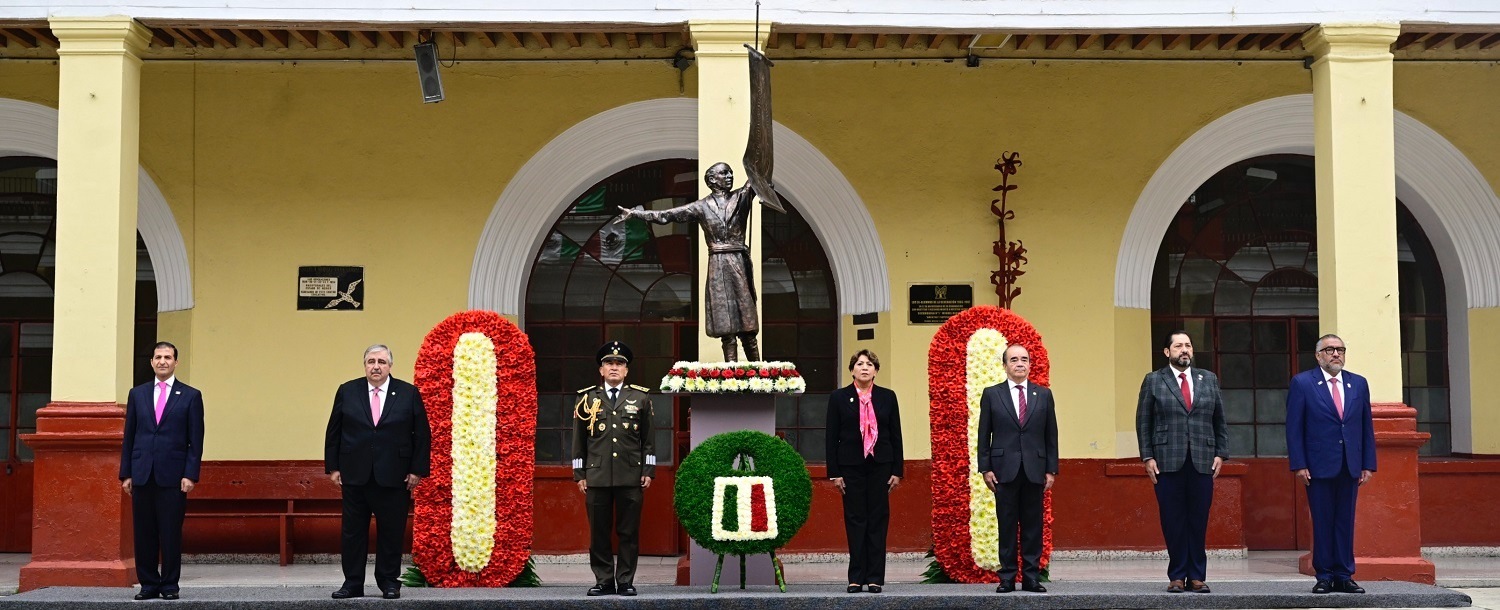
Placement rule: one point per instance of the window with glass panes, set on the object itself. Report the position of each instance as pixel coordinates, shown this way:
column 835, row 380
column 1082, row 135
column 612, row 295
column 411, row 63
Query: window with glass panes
column 1238, row 270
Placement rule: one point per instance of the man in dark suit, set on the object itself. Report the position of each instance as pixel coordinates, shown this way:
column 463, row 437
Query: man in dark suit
column 376, row 451
column 614, row 460
column 1330, row 442
column 159, row 462
column 1179, row 424
column 1018, row 456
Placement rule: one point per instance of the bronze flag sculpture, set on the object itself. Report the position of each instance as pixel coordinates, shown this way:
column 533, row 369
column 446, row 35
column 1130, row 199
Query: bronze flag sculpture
column 724, row 215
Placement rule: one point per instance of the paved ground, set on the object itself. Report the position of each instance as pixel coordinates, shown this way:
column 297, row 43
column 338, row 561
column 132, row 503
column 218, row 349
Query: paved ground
column 1260, row 580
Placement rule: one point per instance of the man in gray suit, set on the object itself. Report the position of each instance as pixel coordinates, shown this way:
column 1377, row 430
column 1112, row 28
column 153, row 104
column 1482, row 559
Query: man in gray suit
column 1179, row 423
column 1018, row 456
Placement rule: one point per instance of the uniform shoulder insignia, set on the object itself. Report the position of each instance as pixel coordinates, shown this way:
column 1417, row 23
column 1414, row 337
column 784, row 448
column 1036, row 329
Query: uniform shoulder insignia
column 641, row 388
column 587, row 389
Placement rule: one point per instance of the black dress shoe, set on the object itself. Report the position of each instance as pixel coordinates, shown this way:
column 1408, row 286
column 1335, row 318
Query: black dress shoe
column 1348, row 586
column 392, row 593
column 346, row 593
column 1323, row 587
column 597, row 590
column 873, row 588
column 854, row 589
column 627, row 590
column 1033, row 586
column 1006, row 586
column 145, row 595
column 169, row 596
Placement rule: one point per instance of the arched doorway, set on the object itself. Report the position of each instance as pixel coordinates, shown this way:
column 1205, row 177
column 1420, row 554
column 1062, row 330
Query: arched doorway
column 28, row 230
column 593, row 280
column 1238, row 269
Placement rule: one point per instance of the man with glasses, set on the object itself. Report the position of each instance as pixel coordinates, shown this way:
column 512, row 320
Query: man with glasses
column 1330, row 440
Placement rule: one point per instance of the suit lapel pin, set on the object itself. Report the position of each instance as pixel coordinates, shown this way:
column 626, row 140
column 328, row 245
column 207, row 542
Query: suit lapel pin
column 851, row 399
column 177, row 393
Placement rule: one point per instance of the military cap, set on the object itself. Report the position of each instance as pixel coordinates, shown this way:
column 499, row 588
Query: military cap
column 614, row 350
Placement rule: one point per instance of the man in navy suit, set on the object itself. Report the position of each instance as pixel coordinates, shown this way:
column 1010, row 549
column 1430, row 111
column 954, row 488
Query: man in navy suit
column 159, row 460
column 376, row 451
column 1018, row 456
column 1330, row 442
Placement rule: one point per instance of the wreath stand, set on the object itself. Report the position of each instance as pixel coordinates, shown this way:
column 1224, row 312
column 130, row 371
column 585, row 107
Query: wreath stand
column 741, row 459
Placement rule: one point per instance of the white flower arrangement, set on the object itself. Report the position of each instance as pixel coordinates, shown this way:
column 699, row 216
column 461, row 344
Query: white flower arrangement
column 743, row 486
column 474, row 397
column 756, row 377
column 985, row 367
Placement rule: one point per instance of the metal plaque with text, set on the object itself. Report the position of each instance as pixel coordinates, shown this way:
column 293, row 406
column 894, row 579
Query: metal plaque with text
column 935, row 303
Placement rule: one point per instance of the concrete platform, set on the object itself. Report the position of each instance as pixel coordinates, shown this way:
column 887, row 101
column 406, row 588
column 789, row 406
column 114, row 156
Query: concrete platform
column 1062, row 596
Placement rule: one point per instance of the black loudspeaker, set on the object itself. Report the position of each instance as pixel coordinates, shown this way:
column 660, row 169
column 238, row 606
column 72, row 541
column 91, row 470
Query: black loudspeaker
column 427, row 72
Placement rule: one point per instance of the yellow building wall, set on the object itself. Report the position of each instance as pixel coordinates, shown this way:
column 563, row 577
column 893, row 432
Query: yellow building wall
column 918, row 141
column 268, row 166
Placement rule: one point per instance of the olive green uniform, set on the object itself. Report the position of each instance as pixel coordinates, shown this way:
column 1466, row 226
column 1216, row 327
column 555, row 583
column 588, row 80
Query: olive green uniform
column 612, row 450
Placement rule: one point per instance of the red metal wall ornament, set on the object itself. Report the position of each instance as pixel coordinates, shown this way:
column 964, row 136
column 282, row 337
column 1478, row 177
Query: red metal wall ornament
column 1012, row 254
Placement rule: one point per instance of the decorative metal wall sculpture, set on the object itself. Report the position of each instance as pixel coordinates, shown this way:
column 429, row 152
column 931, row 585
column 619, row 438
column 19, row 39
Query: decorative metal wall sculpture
column 1012, row 254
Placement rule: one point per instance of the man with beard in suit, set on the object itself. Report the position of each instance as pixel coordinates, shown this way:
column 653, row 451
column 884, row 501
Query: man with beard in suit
column 1179, row 424
column 1018, row 456
column 376, row 451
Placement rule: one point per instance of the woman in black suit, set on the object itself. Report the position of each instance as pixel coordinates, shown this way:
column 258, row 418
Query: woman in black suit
column 865, row 463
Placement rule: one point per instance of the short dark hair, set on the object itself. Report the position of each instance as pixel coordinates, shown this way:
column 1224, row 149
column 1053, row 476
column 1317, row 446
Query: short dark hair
column 1166, row 341
column 162, row 344
column 866, row 353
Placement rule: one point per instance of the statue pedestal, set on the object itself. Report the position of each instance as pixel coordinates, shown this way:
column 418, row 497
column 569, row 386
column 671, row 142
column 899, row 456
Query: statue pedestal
column 714, row 414
column 1388, row 518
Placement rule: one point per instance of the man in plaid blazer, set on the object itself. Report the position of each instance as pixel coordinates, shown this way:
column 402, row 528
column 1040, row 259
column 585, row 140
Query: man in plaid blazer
column 1179, row 423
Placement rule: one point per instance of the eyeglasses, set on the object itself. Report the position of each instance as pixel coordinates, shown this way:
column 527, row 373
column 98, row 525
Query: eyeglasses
column 1334, row 350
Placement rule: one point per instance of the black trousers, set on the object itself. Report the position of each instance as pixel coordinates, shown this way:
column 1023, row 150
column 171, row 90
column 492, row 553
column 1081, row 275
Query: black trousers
column 1019, row 502
column 157, row 514
column 614, row 510
column 1183, row 499
column 867, row 516
column 389, row 506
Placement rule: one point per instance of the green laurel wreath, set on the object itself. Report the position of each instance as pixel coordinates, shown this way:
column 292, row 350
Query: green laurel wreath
column 716, row 457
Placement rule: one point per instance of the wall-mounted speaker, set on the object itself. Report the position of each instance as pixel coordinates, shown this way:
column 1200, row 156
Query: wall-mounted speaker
column 427, row 72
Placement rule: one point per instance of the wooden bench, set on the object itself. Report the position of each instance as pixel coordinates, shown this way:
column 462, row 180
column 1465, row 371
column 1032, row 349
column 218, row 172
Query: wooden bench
column 253, row 490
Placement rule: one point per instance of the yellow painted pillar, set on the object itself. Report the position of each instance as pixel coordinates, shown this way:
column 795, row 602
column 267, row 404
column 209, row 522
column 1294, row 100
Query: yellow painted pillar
column 1355, row 148
column 80, row 521
column 1356, row 182
column 723, row 128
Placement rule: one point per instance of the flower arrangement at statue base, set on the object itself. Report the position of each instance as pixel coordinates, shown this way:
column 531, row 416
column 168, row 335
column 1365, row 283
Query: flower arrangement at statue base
column 965, row 357
column 472, row 524
column 741, row 377
column 742, row 493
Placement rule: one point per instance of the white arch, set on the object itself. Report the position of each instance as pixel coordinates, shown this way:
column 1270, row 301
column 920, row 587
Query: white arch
column 1446, row 193
column 650, row 130
column 31, row 129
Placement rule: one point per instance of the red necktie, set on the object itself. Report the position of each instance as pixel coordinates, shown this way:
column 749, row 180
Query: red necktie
column 1021, row 403
column 1187, row 392
column 1338, row 397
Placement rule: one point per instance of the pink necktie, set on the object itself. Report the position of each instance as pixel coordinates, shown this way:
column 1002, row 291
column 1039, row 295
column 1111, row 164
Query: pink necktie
column 1021, row 403
column 1187, row 393
column 867, row 426
column 1338, row 397
column 375, row 405
column 161, row 400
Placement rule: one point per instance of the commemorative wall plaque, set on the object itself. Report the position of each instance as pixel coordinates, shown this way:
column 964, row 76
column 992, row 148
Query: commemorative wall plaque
column 328, row 288
column 935, row 303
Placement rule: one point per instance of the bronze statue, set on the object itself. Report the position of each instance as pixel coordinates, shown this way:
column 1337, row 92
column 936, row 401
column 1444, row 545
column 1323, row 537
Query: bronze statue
column 724, row 215
column 731, row 295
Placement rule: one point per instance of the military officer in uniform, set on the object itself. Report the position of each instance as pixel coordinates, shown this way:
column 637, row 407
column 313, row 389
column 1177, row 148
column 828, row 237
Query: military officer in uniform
column 613, row 463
